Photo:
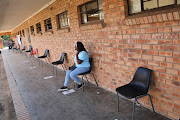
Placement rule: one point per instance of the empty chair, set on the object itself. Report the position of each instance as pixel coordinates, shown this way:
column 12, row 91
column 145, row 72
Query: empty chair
column 60, row 62
column 45, row 55
column 30, row 49
column 34, row 52
column 24, row 48
column 137, row 88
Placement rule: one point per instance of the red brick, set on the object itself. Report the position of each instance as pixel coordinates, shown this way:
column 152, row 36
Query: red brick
column 145, row 19
column 154, row 63
column 159, row 69
column 165, row 53
column 174, row 116
column 176, row 15
column 171, row 35
column 151, row 30
column 150, row 20
column 141, row 20
column 172, row 71
column 166, row 76
column 173, row 60
column 147, row 57
column 137, row 21
column 158, row 47
column 130, row 21
column 154, row 18
column 165, row 41
column 146, row 46
column 159, row 18
column 176, row 41
column 164, row 29
column 176, row 29
column 170, row 16
column 164, row 16
column 168, row 108
column 157, row 36
column 140, row 31
column 165, row 64
column 176, row 66
column 158, row 58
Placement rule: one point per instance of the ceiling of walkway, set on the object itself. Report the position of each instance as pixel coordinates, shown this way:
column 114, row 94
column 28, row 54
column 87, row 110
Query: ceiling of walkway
column 14, row 12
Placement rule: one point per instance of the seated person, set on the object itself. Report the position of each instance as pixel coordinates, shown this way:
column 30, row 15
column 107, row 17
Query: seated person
column 82, row 65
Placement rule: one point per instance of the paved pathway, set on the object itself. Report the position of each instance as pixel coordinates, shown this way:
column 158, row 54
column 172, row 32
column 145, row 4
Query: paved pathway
column 40, row 100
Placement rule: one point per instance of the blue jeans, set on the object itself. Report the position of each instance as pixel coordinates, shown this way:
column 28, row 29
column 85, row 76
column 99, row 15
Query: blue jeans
column 73, row 74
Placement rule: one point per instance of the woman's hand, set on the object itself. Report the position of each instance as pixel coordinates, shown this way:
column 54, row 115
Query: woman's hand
column 78, row 61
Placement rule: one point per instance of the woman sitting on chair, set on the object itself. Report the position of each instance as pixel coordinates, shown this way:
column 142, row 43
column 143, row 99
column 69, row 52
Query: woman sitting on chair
column 82, row 65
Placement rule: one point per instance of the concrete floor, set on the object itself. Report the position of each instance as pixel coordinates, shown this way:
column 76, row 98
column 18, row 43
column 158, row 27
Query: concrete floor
column 44, row 102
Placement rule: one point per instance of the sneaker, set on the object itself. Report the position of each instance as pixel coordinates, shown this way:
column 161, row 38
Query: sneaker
column 62, row 89
column 81, row 85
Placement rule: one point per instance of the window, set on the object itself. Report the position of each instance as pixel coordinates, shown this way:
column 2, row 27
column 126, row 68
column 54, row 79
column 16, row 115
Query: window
column 62, row 20
column 23, row 33
column 47, row 24
column 38, row 27
column 91, row 11
column 32, row 29
column 136, row 6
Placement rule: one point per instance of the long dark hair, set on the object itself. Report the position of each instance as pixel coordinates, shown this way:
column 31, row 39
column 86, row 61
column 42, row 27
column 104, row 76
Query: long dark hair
column 80, row 47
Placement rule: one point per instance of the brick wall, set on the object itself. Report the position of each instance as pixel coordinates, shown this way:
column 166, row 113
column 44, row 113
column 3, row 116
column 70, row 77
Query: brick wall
column 118, row 46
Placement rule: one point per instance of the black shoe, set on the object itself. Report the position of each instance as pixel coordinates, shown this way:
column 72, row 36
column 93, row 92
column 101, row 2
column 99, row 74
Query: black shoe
column 80, row 86
column 62, row 89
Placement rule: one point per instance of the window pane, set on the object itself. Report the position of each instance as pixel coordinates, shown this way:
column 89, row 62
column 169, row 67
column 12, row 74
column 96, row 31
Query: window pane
column 166, row 2
column 178, row 1
column 92, row 6
column 100, row 4
column 134, row 6
column 150, row 4
column 93, row 17
column 84, row 18
column 83, row 8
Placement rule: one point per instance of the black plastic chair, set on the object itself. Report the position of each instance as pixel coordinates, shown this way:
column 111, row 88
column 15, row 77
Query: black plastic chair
column 30, row 49
column 46, row 53
column 24, row 48
column 60, row 62
column 89, row 72
column 137, row 88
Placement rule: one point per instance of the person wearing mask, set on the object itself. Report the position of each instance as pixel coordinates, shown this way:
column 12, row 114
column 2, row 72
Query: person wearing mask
column 81, row 65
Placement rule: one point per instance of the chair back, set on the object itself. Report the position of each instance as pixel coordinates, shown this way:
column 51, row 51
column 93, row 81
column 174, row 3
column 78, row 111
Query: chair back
column 30, row 48
column 35, row 51
column 46, row 52
column 141, row 79
column 62, row 57
column 90, row 61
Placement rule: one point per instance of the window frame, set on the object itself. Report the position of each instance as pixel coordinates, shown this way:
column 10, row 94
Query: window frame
column 91, row 11
column 58, row 16
column 46, row 25
column 151, row 10
column 38, row 27
column 32, row 29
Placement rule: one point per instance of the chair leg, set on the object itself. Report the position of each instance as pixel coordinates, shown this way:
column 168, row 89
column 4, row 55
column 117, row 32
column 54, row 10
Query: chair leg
column 53, row 69
column 86, row 78
column 63, row 67
column 133, row 109
column 117, row 102
column 151, row 103
column 94, row 79
column 56, row 71
column 82, row 83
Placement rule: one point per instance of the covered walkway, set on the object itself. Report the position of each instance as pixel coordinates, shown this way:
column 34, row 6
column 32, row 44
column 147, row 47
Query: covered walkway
column 37, row 98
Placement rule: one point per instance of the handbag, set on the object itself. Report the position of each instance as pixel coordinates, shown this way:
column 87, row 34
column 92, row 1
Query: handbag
column 72, row 68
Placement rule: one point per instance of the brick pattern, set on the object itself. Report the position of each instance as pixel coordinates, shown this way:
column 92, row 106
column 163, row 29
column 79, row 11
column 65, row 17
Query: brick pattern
column 155, row 18
column 118, row 47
